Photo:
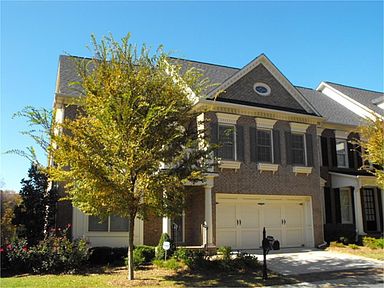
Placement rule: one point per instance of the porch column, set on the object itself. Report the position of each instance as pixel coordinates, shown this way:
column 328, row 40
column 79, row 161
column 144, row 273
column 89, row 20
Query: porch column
column 358, row 211
column 208, row 214
column 167, row 225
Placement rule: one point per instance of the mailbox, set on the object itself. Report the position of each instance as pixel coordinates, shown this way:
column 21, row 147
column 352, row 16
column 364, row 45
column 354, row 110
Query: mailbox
column 269, row 243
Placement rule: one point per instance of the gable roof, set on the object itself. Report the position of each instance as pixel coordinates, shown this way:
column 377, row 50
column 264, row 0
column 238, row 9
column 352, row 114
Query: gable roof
column 262, row 59
column 362, row 96
column 331, row 110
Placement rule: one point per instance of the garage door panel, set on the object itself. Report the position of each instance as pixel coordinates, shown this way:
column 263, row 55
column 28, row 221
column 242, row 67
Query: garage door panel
column 294, row 237
column 249, row 216
column 226, row 216
column 272, row 216
column 293, row 215
column 227, row 238
column 250, row 239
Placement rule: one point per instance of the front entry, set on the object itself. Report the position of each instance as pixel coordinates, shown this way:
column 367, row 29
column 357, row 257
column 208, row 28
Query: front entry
column 241, row 218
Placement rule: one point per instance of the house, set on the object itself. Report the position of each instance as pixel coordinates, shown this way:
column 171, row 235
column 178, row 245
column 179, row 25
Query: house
column 285, row 164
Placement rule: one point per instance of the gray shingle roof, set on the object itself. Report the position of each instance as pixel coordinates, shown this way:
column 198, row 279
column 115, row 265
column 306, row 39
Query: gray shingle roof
column 331, row 110
column 362, row 96
column 68, row 72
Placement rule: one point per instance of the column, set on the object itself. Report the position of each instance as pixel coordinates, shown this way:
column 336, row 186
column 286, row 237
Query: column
column 208, row 214
column 166, row 225
column 358, row 211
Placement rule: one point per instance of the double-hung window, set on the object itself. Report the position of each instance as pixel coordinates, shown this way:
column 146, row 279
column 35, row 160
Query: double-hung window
column 298, row 149
column 341, row 153
column 227, row 141
column 264, row 149
column 110, row 224
column 346, row 206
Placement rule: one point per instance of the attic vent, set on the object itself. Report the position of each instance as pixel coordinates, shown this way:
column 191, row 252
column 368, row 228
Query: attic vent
column 262, row 89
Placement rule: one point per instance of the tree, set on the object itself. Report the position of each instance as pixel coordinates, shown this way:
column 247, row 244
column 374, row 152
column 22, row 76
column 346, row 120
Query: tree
column 136, row 115
column 30, row 214
column 40, row 122
column 372, row 144
column 9, row 199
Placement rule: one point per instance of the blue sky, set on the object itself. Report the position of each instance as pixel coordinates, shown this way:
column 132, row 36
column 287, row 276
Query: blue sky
column 308, row 41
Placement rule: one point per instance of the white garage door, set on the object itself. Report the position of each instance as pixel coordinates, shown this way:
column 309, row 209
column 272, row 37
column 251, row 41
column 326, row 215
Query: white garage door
column 240, row 220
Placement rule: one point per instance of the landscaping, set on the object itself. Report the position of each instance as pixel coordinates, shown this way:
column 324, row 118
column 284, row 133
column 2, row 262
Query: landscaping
column 372, row 248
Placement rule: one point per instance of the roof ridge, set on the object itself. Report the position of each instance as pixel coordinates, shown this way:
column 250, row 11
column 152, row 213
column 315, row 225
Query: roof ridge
column 364, row 89
column 202, row 62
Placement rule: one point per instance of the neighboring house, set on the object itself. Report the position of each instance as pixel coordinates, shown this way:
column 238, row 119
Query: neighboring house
column 282, row 162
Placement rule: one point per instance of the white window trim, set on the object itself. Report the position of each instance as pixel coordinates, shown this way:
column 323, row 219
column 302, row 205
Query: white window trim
column 234, row 139
column 348, row 221
column 271, row 134
column 305, row 151
column 345, row 151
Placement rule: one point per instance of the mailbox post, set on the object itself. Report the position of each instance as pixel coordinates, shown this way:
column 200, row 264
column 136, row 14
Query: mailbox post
column 265, row 244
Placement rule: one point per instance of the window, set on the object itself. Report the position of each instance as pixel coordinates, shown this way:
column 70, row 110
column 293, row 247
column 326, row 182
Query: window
column 264, row 146
column 298, row 149
column 227, row 150
column 111, row 224
column 262, row 89
column 341, row 153
column 346, row 206
column 178, row 228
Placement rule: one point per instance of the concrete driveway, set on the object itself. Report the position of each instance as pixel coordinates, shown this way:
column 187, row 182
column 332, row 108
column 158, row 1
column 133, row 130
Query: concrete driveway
column 317, row 268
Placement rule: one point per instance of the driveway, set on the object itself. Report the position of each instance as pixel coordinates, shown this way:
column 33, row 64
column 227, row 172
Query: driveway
column 317, row 268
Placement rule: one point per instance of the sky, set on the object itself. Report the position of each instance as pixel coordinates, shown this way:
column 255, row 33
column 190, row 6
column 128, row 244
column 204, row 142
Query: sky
column 308, row 41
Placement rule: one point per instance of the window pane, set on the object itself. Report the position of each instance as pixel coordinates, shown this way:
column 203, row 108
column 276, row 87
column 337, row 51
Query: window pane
column 298, row 152
column 177, row 229
column 94, row 224
column 341, row 153
column 346, row 206
column 118, row 224
column 264, row 147
column 227, row 140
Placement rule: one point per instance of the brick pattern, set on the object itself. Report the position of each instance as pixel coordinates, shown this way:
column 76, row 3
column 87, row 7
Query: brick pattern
column 243, row 90
column 152, row 230
column 194, row 216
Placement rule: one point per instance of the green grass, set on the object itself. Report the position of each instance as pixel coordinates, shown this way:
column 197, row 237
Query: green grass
column 150, row 276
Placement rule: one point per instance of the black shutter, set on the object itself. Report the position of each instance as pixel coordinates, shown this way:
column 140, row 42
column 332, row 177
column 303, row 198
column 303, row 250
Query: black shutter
column 359, row 160
column 276, row 147
column 288, row 147
column 353, row 204
column 328, row 205
column 332, row 142
column 337, row 205
column 240, row 142
column 309, row 143
column 252, row 137
column 351, row 155
column 324, row 150
column 381, row 216
column 214, row 136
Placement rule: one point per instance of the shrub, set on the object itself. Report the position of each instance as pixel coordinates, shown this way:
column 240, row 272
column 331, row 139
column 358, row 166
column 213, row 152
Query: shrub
column 142, row 255
column 168, row 264
column 100, row 255
column 354, row 246
column 226, row 252
column 160, row 252
column 56, row 253
column 337, row 244
column 373, row 243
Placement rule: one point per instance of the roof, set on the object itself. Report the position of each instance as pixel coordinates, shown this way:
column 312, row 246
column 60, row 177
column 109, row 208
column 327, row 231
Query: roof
column 331, row 110
column 363, row 96
column 68, row 72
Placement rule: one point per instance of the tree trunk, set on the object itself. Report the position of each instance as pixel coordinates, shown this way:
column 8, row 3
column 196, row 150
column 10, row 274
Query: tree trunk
column 130, row 247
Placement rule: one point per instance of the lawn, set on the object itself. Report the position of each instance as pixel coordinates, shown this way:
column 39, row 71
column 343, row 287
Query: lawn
column 150, row 276
column 363, row 251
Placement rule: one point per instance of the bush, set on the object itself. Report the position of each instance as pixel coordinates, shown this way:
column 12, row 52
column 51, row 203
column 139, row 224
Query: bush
column 373, row 243
column 337, row 244
column 226, row 252
column 354, row 246
column 168, row 264
column 56, row 253
column 160, row 252
column 142, row 254
column 100, row 255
